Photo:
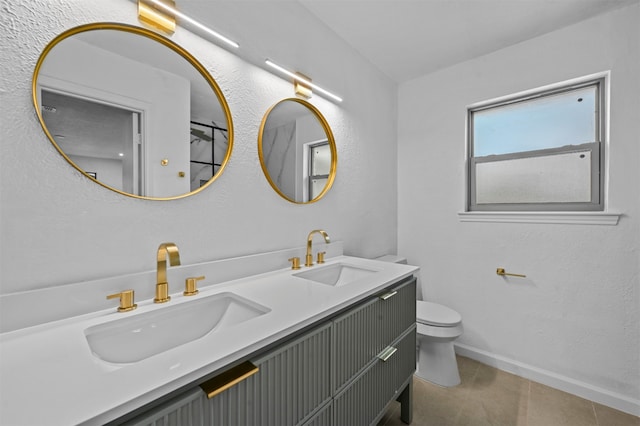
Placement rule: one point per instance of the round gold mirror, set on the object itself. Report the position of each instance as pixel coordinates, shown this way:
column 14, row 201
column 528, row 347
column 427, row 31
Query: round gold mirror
column 297, row 151
column 133, row 111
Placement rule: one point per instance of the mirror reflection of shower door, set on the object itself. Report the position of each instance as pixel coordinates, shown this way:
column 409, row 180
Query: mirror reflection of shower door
column 102, row 139
column 319, row 167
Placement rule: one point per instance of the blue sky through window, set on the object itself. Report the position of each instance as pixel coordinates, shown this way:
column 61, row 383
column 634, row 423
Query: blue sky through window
column 567, row 118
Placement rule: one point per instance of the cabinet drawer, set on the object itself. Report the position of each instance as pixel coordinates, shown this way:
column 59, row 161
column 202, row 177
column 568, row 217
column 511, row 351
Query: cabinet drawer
column 362, row 333
column 292, row 382
column 365, row 399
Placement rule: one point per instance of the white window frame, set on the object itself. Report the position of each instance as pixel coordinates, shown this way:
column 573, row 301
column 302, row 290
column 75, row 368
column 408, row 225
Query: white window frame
column 585, row 213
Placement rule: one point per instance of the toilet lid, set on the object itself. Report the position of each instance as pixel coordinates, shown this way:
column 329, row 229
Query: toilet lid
column 433, row 314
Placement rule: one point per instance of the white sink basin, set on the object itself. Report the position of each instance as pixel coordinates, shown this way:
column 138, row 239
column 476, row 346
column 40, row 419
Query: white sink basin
column 137, row 337
column 336, row 275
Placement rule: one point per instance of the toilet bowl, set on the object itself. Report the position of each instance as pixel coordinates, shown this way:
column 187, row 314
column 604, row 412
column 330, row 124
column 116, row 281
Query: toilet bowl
column 437, row 327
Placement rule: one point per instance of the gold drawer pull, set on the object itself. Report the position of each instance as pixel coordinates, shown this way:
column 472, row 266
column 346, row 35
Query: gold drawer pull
column 224, row 381
column 387, row 353
column 388, row 295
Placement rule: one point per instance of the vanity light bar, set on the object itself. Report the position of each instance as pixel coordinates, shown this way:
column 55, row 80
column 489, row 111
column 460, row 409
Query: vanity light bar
column 193, row 22
column 303, row 80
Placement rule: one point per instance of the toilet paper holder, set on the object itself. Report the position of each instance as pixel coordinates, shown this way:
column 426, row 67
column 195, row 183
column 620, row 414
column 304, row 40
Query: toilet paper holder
column 502, row 272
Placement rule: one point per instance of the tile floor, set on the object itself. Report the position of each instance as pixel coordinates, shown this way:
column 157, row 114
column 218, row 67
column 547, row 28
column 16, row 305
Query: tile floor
column 488, row 396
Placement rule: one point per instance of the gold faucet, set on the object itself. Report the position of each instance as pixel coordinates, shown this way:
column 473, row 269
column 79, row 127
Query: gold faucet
column 309, row 257
column 162, row 286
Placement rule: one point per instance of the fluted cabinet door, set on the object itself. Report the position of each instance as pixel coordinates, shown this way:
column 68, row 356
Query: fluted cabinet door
column 291, row 387
column 360, row 334
column 292, row 383
column 365, row 399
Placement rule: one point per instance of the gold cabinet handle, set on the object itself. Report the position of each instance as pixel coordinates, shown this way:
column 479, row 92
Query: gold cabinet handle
column 502, row 272
column 321, row 256
column 388, row 295
column 295, row 262
column 191, row 286
column 126, row 300
column 387, row 353
column 224, row 381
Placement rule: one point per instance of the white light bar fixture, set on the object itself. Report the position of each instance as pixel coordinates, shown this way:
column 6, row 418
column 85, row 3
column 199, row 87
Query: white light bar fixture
column 176, row 13
column 297, row 77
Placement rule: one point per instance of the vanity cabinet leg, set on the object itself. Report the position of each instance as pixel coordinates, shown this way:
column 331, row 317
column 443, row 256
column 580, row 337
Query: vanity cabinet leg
column 406, row 403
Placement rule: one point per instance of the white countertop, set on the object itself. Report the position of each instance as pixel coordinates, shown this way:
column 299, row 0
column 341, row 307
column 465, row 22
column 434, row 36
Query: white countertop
column 50, row 376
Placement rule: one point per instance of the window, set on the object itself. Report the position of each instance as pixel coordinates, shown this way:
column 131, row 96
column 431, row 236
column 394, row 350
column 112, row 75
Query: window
column 539, row 152
column 319, row 167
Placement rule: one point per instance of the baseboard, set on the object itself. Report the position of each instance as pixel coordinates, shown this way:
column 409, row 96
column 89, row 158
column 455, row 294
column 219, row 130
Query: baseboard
column 548, row 378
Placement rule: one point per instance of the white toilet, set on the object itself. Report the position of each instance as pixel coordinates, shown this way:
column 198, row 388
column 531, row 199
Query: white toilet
column 437, row 327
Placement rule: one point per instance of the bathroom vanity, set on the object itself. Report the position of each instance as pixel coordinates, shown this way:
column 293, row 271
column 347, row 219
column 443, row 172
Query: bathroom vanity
column 343, row 370
column 328, row 344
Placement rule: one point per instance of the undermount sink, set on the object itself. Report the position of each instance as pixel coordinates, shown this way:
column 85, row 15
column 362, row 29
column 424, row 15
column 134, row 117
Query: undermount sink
column 137, row 337
column 336, row 275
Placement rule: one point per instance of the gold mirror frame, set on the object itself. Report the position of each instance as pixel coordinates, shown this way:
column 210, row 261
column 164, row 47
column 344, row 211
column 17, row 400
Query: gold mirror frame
column 167, row 43
column 332, row 145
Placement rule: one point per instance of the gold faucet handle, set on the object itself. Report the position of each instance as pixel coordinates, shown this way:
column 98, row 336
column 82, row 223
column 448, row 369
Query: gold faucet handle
column 295, row 262
column 321, row 256
column 126, row 300
column 191, row 285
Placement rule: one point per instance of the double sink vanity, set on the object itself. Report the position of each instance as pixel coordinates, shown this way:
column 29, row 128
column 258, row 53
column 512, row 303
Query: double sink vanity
column 331, row 343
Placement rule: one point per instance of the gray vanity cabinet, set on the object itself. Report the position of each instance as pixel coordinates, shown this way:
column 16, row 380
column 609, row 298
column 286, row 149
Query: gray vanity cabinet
column 344, row 371
column 375, row 356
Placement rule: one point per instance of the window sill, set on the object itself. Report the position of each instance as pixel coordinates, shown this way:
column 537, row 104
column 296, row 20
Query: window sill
column 573, row 218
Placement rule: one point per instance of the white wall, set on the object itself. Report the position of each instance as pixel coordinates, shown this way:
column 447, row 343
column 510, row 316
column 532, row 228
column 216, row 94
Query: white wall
column 58, row 227
column 574, row 322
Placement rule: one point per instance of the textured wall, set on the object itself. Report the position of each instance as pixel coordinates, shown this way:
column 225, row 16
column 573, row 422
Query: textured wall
column 578, row 313
column 58, row 227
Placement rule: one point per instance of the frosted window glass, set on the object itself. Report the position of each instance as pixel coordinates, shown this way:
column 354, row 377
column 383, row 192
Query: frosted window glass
column 317, row 185
column 559, row 178
column 567, row 118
